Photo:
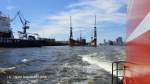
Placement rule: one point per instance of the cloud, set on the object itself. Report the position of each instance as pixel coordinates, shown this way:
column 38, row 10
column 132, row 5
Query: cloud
column 83, row 13
column 10, row 7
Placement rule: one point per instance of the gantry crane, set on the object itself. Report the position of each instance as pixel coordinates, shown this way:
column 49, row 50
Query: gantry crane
column 22, row 34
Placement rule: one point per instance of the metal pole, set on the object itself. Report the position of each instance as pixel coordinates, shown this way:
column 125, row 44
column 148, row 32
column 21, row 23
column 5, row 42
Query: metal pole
column 112, row 73
column 117, row 72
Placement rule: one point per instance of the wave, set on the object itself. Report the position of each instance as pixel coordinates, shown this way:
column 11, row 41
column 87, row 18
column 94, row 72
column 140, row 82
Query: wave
column 7, row 69
column 32, row 60
column 24, row 60
column 96, row 60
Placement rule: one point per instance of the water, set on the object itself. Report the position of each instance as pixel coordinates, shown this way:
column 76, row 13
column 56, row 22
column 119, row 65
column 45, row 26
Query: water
column 63, row 64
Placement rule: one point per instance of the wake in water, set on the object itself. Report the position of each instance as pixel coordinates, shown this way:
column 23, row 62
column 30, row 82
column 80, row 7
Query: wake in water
column 96, row 60
column 105, row 57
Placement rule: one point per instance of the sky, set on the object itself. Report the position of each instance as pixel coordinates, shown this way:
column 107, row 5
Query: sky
column 50, row 18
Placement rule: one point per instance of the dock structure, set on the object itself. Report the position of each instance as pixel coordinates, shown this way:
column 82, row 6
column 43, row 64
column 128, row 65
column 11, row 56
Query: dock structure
column 82, row 41
column 73, row 42
column 7, row 39
column 94, row 40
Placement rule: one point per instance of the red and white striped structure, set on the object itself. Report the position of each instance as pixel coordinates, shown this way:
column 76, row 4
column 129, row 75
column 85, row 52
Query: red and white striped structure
column 138, row 43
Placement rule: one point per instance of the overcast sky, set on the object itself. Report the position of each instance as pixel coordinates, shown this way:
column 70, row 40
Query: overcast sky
column 50, row 18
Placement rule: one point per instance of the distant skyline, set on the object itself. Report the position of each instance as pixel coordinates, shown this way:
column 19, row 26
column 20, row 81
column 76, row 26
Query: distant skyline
column 50, row 18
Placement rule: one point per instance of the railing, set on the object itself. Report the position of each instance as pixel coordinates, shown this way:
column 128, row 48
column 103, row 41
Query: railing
column 118, row 69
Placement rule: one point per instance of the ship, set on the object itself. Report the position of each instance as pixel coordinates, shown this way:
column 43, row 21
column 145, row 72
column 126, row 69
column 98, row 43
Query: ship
column 25, row 39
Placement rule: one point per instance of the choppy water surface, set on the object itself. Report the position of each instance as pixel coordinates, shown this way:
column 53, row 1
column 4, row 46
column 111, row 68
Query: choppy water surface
column 63, row 64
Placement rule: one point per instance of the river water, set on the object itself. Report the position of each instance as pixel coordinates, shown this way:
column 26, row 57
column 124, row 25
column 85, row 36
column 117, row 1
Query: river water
column 62, row 64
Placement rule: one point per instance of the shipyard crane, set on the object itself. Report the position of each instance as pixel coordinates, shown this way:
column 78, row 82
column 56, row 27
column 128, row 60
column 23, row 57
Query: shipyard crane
column 22, row 35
